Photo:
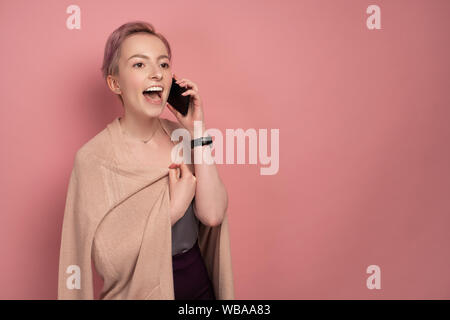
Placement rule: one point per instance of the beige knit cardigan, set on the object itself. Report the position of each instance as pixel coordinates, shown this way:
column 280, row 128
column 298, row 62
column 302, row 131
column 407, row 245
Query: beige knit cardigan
column 105, row 180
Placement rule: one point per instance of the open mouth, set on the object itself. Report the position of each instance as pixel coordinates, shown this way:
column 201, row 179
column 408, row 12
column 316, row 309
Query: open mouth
column 153, row 96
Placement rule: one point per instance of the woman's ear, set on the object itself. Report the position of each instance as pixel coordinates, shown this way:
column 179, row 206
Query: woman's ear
column 113, row 84
column 117, row 87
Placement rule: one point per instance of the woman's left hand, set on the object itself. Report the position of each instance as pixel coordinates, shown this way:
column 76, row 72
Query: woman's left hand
column 195, row 111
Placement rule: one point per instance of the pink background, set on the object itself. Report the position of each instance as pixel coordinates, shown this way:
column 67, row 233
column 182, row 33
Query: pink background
column 363, row 116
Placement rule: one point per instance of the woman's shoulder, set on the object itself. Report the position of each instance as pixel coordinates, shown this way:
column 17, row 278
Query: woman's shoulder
column 98, row 147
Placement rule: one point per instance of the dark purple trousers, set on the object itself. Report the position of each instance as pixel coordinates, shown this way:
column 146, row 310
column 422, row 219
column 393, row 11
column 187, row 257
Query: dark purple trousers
column 190, row 277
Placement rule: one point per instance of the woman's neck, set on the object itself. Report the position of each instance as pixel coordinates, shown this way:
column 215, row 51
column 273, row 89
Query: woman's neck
column 140, row 128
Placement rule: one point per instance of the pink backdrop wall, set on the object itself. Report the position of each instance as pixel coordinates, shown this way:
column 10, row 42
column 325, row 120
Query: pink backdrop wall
column 363, row 116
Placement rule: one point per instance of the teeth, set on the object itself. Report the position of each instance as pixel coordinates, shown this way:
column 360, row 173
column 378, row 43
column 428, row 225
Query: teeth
column 153, row 89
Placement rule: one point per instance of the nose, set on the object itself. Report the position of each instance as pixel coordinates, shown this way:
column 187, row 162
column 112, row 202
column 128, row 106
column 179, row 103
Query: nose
column 155, row 73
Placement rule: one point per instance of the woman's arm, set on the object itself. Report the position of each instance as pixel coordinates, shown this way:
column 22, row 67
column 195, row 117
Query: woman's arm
column 211, row 198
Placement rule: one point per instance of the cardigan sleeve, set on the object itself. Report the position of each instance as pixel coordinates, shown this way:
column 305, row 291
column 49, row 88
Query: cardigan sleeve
column 75, row 271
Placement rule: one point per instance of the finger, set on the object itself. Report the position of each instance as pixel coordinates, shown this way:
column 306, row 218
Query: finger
column 190, row 92
column 188, row 87
column 179, row 81
column 195, row 96
column 172, row 176
column 174, row 165
column 184, row 170
column 182, row 84
column 188, row 83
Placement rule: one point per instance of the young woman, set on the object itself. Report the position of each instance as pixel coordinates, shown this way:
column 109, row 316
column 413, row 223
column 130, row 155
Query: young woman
column 130, row 206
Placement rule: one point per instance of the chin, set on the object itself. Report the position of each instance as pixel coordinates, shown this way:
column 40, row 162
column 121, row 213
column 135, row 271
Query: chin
column 153, row 110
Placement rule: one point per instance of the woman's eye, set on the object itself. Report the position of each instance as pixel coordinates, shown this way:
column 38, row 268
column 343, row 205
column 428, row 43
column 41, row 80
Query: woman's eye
column 165, row 65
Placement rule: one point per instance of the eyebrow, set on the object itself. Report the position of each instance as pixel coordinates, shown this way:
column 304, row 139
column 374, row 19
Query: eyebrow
column 146, row 57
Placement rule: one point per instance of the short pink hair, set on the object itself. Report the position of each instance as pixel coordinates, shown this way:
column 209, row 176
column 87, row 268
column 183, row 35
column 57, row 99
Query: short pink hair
column 111, row 56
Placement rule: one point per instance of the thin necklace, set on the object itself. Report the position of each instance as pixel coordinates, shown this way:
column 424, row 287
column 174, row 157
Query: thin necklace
column 144, row 141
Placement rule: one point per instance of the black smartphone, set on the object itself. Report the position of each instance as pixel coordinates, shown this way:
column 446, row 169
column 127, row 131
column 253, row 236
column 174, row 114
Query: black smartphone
column 176, row 100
